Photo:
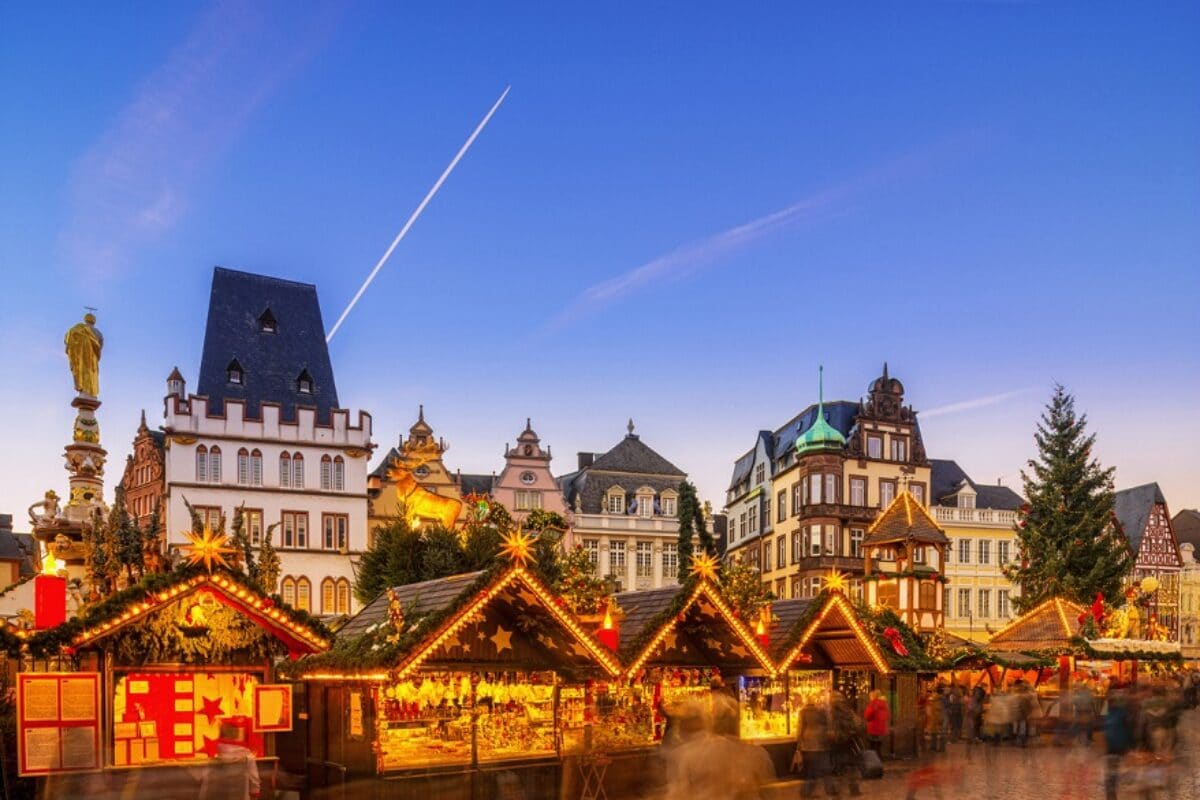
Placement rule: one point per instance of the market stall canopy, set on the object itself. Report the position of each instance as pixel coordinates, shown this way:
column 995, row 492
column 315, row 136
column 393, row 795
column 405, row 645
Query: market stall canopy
column 690, row 625
column 830, row 632
column 905, row 520
column 785, row 614
column 1049, row 626
column 503, row 618
column 193, row 610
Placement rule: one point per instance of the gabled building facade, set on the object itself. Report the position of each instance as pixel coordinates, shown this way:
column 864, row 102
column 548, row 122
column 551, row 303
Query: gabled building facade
column 625, row 506
column 749, row 499
column 266, row 438
column 833, row 467
column 144, row 482
column 1142, row 516
column 526, row 483
column 904, row 563
column 980, row 521
column 412, row 480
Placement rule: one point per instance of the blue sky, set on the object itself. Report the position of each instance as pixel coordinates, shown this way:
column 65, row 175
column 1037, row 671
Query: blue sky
column 676, row 216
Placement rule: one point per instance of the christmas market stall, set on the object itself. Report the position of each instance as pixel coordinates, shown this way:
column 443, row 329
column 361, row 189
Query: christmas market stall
column 684, row 642
column 458, row 686
column 833, row 645
column 153, row 686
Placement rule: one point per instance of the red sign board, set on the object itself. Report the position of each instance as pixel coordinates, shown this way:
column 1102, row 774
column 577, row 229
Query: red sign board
column 58, row 722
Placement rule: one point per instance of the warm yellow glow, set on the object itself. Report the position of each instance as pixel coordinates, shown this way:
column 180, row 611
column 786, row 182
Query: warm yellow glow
column 760, row 629
column 704, row 566
column 608, row 620
column 1149, row 584
column 50, row 563
column 517, row 547
column 836, row 581
column 208, row 548
column 864, row 638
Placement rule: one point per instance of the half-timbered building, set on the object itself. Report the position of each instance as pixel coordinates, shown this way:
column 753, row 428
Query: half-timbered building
column 1141, row 515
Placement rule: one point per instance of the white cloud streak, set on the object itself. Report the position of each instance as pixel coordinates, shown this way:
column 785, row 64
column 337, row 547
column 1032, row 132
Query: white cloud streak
column 691, row 258
column 978, row 402
column 134, row 184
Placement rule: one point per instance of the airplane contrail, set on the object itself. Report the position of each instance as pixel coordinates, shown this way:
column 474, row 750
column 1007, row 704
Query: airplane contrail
column 413, row 218
column 978, row 402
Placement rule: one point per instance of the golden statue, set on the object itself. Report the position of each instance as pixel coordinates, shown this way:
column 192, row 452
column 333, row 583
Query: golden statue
column 83, row 344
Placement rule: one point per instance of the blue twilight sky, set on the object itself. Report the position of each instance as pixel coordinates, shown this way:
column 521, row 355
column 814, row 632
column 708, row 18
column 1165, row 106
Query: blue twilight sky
column 678, row 213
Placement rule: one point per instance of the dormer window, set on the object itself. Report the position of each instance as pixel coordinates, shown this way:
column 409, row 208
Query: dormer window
column 234, row 373
column 304, row 383
column 966, row 500
column 267, row 323
column 614, row 500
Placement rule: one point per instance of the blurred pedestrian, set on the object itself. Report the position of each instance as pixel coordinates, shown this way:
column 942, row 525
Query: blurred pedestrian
column 812, row 740
column 954, row 712
column 878, row 717
column 845, row 747
column 1118, row 740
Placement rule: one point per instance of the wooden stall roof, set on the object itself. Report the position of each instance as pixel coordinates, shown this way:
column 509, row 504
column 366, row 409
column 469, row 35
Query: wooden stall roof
column 785, row 614
column 689, row 624
column 833, row 636
column 504, row 618
column 1048, row 626
column 300, row 633
column 903, row 520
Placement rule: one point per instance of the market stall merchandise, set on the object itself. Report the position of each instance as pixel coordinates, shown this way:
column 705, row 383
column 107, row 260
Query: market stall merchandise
column 453, row 677
column 183, row 663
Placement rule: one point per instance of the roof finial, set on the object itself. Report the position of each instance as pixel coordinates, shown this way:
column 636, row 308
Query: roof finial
column 885, row 373
column 143, row 425
column 529, row 423
column 629, row 427
column 421, row 411
column 821, row 391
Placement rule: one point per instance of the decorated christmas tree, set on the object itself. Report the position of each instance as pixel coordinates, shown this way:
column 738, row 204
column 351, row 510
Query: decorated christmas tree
column 1067, row 546
column 743, row 587
column 583, row 589
column 266, row 570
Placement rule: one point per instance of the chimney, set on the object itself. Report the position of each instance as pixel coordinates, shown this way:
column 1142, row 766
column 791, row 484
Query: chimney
column 586, row 460
column 6, row 523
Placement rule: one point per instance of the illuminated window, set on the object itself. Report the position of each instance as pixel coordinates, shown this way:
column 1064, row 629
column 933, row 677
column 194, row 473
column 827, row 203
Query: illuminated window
column 288, row 591
column 252, row 521
column 328, row 597
column 334, row 529
column 201, row 464
column 285, row 470
column 592, row 548
column 343, row 596
column 210, row 516
column 304, row 594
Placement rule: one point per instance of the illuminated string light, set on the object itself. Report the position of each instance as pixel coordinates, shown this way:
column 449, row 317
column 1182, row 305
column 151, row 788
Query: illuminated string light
column 837, row 601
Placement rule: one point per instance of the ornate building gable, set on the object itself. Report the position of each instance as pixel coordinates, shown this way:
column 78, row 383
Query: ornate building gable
column 144, row 482
column 413, row 478
column 884, row 411
column 1141, row 513
column 526, row 482
column 617, row 481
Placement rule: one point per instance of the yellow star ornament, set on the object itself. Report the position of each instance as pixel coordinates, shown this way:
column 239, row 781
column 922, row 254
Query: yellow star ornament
column 207, row 548
column 517, row 547
column 835, row 581
column 704, row 566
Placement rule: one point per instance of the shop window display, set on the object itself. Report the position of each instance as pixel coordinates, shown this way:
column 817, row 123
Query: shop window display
column 606, row 716
column 807, row 686
column 763, row 708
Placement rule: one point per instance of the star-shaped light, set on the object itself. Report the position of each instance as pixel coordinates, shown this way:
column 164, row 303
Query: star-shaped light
column 704, row 566
column 207, row 548
column 517, row 547
column 836, row 581
column 212, row 709
column 502, row 639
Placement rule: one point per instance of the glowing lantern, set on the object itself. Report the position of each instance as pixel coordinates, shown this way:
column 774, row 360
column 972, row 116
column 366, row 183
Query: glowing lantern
column 1149, row 584
column 608, row 635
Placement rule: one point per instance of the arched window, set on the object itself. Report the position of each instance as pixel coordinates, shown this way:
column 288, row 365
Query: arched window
column 304, row 594
column 328, row 597
column 256, row 467
column 243, row 467
column 285, row 470
column 214, row 464
column 201, row 464
column 339, row 474
column 343, row 596
column 297, row 471
column 288, row 591
column 326, row 473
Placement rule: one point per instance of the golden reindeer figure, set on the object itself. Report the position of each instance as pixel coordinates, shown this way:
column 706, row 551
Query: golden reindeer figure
column 419, row 503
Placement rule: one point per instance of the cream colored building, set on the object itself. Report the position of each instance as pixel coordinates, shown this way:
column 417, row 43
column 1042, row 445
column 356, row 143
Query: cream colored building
column 979, row 519
column 1189, row 600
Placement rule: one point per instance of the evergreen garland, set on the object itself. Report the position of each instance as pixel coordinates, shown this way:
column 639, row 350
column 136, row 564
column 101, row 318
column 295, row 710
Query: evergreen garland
column 1066, row 539
column 692, row 530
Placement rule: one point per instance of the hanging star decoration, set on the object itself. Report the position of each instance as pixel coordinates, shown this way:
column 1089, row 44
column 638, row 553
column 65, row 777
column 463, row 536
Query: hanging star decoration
column 207, row 548
column 517, row 547
column 704, row 566
column 836, row 581
column 211, row 709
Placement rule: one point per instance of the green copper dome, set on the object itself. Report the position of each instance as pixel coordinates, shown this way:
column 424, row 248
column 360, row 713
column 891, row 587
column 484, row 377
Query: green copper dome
column 821, row 435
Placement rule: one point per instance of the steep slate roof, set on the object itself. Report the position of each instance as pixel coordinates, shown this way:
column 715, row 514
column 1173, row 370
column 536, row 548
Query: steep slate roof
column 632, row 455
column 640, row 610
column 1186, row 525
column 786, row 614
column 905, row 519
column 742, row 467
column 1132, row 509
column 271, row 361
column 947, row 476
column 839, row 413
column 478, row 484
column 416, row 599
column 1049, row 626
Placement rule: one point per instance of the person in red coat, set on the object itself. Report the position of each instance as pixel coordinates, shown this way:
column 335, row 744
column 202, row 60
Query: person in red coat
column 877, row 716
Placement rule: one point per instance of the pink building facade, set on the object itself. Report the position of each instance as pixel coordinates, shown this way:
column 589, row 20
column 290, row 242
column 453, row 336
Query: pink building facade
column 526, row 482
